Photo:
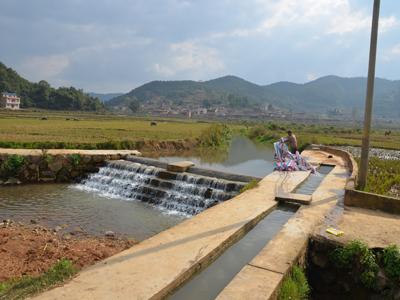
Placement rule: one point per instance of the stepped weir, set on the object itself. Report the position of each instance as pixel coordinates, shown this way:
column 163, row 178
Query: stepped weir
column 149, row 181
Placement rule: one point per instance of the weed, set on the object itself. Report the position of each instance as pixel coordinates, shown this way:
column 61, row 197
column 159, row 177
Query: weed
column 251, row 185
column 75, row 159
column 27, row 285
column 295, row 286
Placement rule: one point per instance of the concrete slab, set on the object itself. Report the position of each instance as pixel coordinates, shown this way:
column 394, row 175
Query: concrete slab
column 155, row 267
column 34, row 152
column 377, row 229
column 252, row 283
column 294, row 198
column 180, row 166
column 290, row 243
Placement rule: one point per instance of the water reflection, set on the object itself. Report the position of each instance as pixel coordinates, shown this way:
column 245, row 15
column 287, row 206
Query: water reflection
column 242, row 157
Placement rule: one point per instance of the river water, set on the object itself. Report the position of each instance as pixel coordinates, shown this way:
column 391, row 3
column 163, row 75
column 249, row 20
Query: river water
column 243, row 157
column 95, row 213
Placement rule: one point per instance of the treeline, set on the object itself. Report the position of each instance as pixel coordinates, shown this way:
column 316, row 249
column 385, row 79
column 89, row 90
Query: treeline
column 42, row 95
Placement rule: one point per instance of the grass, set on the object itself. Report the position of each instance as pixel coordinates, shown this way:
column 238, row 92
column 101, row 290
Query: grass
column 251, row 185
column 382, row 175
column 295, row 286
column 27, row 285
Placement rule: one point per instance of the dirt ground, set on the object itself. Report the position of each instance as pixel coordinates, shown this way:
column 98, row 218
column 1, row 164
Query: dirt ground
column 32, row 249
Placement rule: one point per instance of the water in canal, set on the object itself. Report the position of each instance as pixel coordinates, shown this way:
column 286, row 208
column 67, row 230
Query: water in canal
column 211, row 281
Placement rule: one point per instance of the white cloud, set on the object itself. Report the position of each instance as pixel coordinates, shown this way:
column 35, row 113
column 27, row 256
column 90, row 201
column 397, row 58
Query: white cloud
column 392, row 53
column 311, row 76
column 189, row 56
column 44, row 67
column 324, row 16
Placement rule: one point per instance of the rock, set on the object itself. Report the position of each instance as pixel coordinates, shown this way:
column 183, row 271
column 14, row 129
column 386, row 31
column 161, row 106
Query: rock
column 98, row 158
column 67, row 237
column 110, row 234
column 86, row 159
column 12, row 181
column 381, row 281
column 33, row 221
column 56, row 165
column 57, row 228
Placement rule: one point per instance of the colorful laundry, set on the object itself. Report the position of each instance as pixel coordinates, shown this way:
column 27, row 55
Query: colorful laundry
column 287, row 161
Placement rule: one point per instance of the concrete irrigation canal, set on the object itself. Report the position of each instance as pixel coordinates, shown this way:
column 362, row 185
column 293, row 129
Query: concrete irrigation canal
column 227, row 244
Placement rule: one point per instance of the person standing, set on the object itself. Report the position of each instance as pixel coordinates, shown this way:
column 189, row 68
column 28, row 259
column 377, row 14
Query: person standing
column 292, row 141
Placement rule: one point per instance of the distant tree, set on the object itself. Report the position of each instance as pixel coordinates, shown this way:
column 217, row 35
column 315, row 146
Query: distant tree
column 42, row 95
column 134, row 105
column 206, row 103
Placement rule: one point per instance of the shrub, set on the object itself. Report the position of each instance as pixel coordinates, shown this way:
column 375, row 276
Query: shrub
column 356, row 255
column 12, row 165
column 216, row 135
column 391, row 261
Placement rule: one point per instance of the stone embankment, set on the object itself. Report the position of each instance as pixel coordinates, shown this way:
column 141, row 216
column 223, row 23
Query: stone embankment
column 41, row 166
column 374, row 152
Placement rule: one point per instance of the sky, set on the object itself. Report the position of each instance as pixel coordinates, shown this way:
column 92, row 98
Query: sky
column 117, row 45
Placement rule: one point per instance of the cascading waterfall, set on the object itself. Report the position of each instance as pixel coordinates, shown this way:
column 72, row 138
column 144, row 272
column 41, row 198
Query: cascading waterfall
column 172, row 192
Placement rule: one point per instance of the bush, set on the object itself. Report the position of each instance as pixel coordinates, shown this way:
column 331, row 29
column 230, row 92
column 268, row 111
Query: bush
column 358, row 257
column 295, row 286
column 12, row 165
column 215, row 136
column 391, row 262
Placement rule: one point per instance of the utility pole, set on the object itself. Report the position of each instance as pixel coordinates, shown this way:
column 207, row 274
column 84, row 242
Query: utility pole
column 368, row 99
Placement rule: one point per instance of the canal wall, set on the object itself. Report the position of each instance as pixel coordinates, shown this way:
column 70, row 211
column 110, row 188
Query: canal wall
column 41, row 166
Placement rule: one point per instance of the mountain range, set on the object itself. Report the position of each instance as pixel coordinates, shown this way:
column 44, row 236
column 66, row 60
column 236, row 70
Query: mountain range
column 328, row 93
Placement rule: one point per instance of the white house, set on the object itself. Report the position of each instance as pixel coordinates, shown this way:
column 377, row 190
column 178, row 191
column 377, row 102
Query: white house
column 9, row 100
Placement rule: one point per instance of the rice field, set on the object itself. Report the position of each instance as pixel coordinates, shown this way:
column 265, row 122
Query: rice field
column 86, row 128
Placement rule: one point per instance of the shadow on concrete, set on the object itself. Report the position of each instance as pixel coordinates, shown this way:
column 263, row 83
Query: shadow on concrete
column 122, row 258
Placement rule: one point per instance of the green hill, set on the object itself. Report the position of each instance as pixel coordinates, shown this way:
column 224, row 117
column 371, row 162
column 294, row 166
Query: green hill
column 42, row 95
column 318, row 96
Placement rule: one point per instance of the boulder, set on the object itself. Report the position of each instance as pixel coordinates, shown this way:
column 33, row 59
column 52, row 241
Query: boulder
column 55, row 165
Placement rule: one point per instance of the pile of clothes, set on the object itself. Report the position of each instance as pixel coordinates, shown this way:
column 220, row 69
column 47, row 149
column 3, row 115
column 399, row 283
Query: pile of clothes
column 287, row 161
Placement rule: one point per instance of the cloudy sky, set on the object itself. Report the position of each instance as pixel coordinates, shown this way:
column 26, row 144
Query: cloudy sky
column 116, row 45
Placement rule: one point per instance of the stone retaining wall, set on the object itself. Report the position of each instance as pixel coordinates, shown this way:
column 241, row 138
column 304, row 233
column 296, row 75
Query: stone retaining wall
column 35, row 168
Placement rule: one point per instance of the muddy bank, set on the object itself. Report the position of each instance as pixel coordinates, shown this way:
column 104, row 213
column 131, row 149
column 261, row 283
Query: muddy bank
column 31, row 249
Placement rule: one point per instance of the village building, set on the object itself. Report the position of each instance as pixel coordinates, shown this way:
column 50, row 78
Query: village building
column 9, row 101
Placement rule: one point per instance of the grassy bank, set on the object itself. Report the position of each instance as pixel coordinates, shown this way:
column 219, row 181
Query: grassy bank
column 28, row 285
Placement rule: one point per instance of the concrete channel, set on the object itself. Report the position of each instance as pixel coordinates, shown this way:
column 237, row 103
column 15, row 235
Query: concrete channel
column 157, row 267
